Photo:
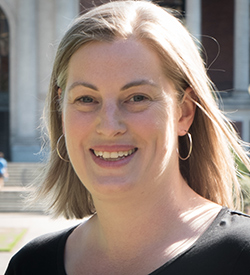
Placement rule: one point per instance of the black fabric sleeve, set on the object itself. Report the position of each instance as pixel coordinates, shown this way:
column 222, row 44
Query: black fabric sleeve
column 43, row 255
column 224, row 249
column 242, row 265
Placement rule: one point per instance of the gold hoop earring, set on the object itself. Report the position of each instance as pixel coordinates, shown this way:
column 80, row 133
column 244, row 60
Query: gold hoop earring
column 190, row 147
column 57, row 150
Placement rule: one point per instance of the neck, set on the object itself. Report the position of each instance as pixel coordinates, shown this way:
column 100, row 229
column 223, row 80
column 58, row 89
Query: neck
column 130, row 224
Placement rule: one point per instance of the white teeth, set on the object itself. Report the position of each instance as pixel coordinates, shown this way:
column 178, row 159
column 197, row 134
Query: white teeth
column 98, row 153
column 106, row 155
column 114, row 155
column 120, row 154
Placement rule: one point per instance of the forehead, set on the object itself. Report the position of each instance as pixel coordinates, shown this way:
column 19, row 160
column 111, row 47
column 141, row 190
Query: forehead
column 120, row 60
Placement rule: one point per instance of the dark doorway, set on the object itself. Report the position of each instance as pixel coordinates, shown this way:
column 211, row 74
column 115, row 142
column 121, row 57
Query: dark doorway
column 218, row 41
column 4, row 86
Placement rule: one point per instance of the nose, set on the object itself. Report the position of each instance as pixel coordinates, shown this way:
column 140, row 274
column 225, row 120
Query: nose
column 110, row 120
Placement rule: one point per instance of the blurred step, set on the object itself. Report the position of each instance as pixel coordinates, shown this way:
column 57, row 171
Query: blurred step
column 22, row 174
column 14, row 192
column 12, row 199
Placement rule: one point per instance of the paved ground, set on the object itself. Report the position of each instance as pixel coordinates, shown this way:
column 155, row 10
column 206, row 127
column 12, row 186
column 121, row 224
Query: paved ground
column 37, row 224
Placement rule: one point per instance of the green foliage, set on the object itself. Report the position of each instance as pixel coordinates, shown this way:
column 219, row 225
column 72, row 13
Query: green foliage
column 245, row 187
column 244, row 179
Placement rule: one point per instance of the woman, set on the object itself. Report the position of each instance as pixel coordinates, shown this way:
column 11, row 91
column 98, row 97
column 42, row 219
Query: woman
column 137, row 142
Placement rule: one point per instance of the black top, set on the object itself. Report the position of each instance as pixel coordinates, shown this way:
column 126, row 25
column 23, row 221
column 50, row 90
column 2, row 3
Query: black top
column 224, row 249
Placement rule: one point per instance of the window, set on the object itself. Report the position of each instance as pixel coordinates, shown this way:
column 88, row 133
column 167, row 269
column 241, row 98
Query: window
column 173, row 4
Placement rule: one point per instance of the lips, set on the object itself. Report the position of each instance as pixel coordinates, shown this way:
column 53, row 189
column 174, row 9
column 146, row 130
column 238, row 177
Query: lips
column 113, row 155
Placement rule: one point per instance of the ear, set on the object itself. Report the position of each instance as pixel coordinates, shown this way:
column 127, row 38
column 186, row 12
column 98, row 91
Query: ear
column 59, row 93
column 187, row 112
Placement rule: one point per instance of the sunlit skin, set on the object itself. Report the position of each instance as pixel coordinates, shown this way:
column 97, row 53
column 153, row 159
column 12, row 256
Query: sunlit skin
column 117, row 99
column 117, row 110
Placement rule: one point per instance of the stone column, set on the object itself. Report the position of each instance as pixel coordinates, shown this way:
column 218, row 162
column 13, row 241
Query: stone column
column 66, row 11
column 46, row 48
column 24, row 143
column 193, row 17
column 53, row 19
column 240, row 99
column 241, row 46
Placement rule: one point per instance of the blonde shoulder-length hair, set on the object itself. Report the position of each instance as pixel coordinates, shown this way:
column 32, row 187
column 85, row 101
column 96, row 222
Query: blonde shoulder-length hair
column 210, row 170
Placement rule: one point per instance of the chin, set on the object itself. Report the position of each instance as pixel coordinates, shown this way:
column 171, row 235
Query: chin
column 112, row 186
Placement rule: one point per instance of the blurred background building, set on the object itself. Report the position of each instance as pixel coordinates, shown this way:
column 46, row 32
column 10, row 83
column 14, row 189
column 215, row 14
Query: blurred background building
column 31, row 29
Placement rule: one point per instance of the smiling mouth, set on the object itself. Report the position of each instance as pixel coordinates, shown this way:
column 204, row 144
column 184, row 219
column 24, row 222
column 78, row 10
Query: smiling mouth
column 113, row 156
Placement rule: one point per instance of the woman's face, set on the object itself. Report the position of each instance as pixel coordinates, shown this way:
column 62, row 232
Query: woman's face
column 116, row 112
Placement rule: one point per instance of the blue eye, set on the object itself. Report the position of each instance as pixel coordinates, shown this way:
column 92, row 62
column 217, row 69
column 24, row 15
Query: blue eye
column 138, row 98
column 86, row 99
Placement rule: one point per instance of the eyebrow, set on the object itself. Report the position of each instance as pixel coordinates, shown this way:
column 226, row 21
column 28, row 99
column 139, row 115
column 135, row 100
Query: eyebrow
column 132, row 84
column 138, row 83
column 84, row 84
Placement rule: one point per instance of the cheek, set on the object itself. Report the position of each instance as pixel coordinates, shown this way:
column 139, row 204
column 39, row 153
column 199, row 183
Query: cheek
column 77, row 126
column 155, row 120
column 77, row 135
column 152, row 127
